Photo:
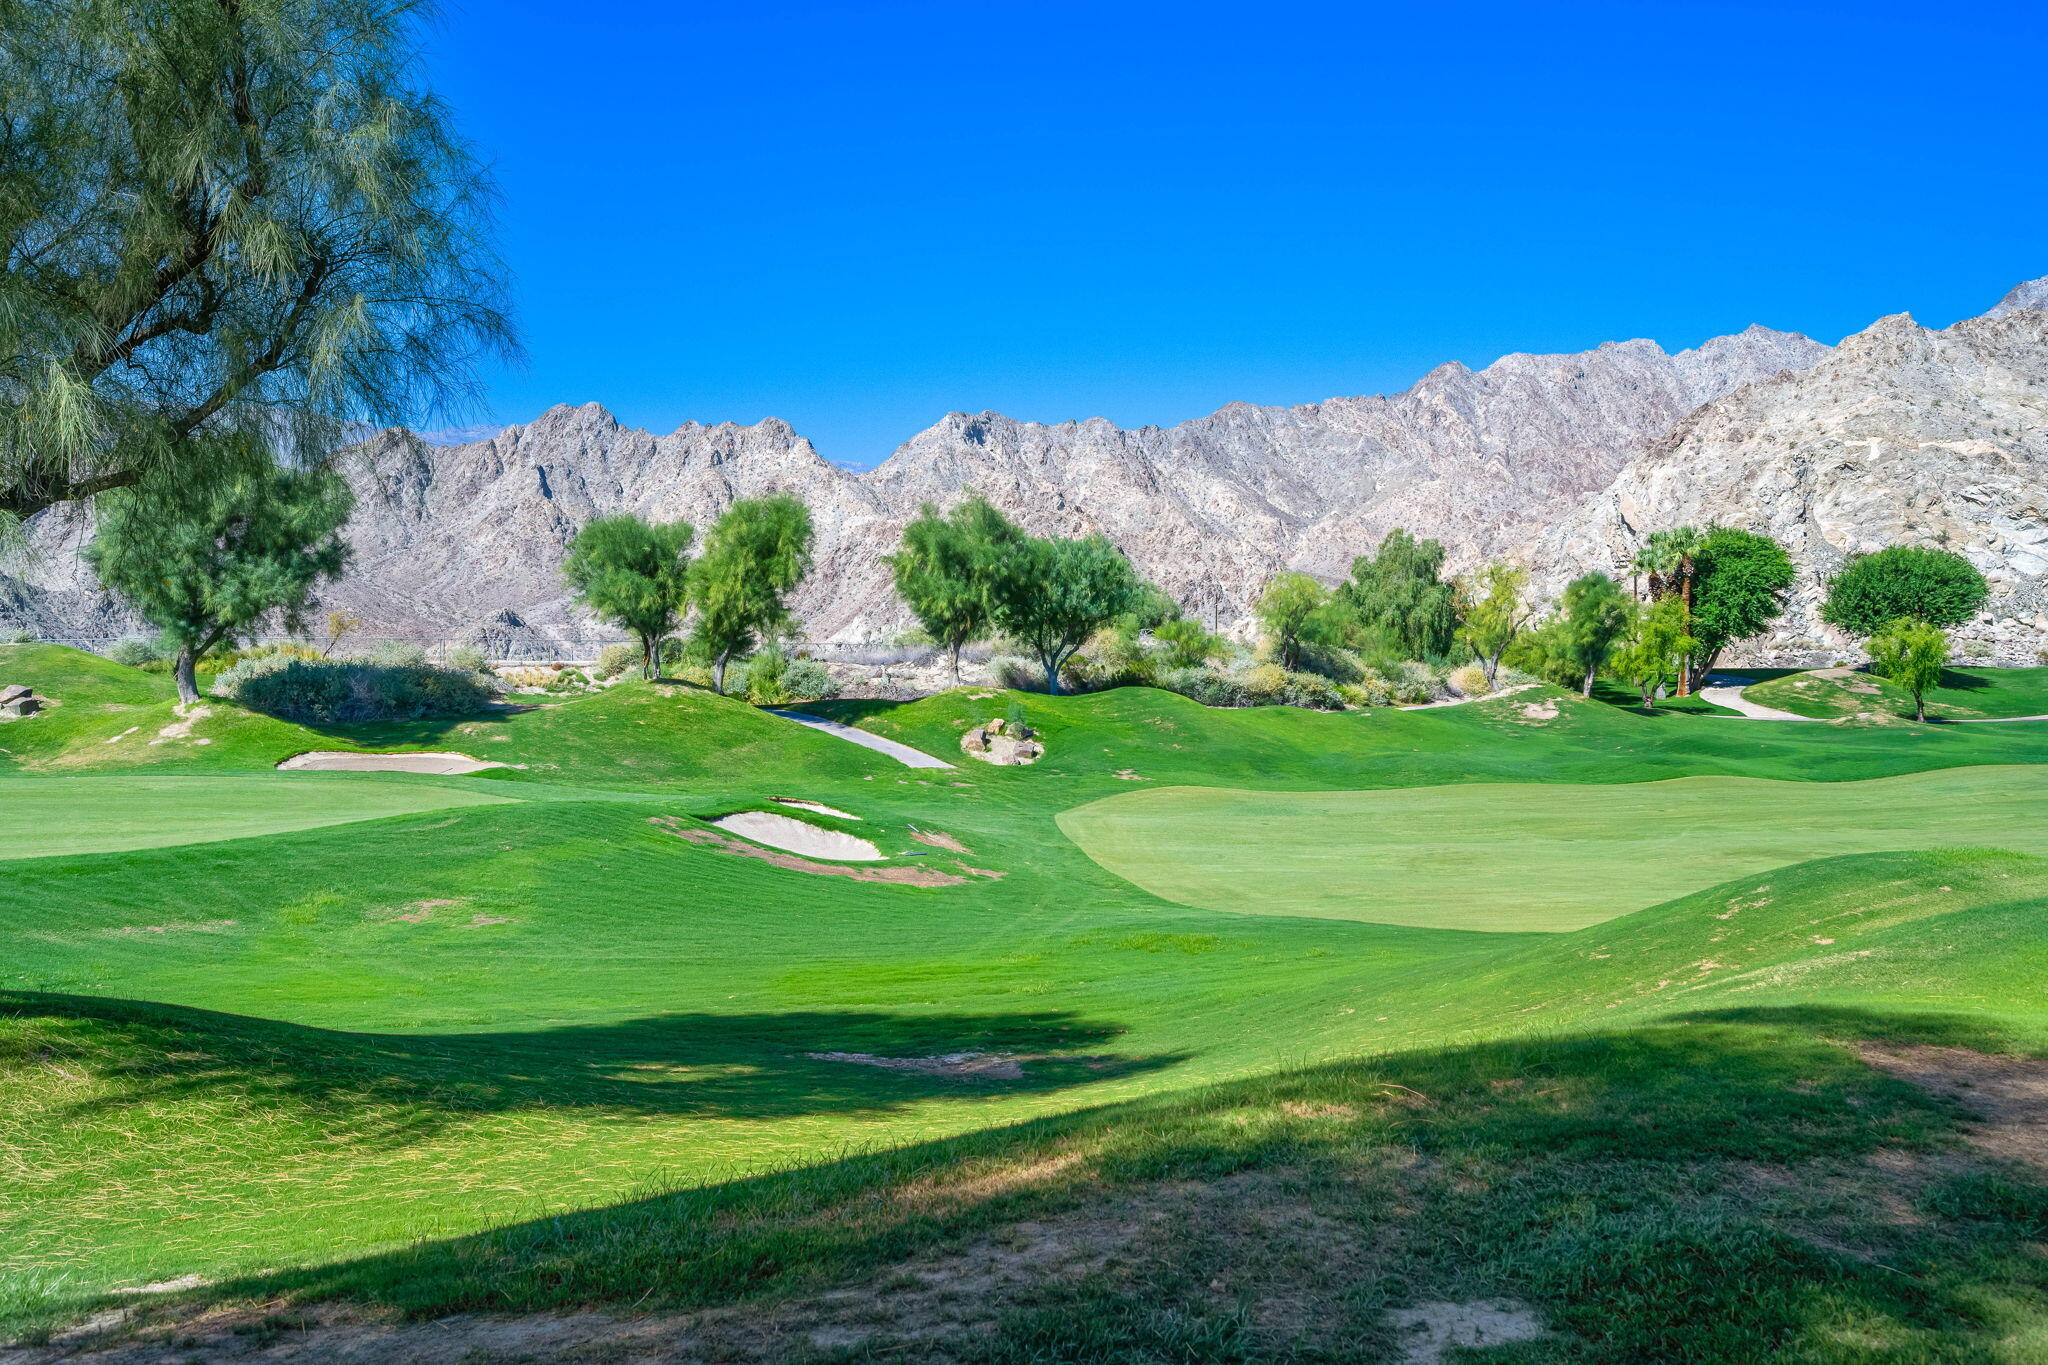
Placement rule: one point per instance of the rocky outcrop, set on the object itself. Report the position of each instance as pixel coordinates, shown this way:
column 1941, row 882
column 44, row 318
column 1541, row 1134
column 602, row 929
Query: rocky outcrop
column 1905, row 435
column 1562, row 460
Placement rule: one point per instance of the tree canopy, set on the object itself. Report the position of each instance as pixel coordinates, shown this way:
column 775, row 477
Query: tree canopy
column 756, row 553
column 204, row 562
column 1655, row 651
column 634, row 574
column 947, row 569
column 1739, row 583
column 1593, row 616
column 1399, row 600
column 1295, row 612
column 1053, row 594
column 1493, row 614
column 1911, row 652
column 1939, row 587
column 218, row 215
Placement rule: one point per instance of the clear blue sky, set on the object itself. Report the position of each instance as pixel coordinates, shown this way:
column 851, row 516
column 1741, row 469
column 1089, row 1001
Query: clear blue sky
column 858, row 217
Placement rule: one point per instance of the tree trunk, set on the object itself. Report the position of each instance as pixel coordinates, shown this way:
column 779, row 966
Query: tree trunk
column 1587, row 690
column 187, row 673
column 1919, row 707
column 649, row 667
column 956, row 665
column 1051, row 664
column 718, row 674
column 1685, row 592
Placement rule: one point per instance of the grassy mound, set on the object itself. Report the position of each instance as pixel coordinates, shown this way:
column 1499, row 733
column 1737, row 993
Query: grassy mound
column 1850, row 694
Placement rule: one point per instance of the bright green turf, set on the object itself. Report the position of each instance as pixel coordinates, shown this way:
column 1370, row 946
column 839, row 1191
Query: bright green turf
column 59, row 815
column 1510, row 857
column 439, row 1060
column 1964, row 694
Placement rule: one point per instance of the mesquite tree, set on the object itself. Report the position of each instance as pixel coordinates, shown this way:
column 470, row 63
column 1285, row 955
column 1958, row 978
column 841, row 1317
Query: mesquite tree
column 1939, row 587
column 634, row 574
column 1494, row 615
column 205, row 562
column 1594, row 614
column 225, row 215
column 1054, row 594
column 1911, row 653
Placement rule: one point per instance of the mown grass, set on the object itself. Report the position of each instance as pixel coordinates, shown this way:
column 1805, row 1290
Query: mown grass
column 1509, row 857
column 1963, row 694
column 544, row 1053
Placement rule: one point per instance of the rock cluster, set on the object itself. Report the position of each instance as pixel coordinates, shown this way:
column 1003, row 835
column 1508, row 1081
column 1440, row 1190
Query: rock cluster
column 1006, row 743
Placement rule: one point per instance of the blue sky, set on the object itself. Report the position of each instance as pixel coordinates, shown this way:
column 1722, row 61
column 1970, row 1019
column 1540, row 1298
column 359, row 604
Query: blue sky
column 858, row 217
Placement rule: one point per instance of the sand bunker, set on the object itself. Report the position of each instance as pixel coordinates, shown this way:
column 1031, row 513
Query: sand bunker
column 799, row 836
column 819, row 806
column 903, row 876
column 343, row 761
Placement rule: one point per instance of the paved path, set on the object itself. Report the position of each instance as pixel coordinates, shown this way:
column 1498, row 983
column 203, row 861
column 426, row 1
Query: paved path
column 1984, row 720
column 1460, row 701
column 902, row 753
column 1725, row 689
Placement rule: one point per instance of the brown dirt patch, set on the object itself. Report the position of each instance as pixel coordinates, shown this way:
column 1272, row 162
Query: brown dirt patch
column 938, row 838
column 902, row 876
column 2006, row 1097
column 983, row 1065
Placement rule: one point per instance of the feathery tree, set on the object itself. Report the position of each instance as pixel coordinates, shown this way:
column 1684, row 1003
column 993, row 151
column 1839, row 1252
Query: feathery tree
column 1656, row 648
column 1910, row 652
column 1053, row 594
column 1493, row 614
column 1399, row 599
column 1295, row 612
column 756, row 553
column 946, row 570
column 634, row 574
column 205, row 561
column 225, row 215
column 1739, row 583
column 1594, row 614
column 1939, row 587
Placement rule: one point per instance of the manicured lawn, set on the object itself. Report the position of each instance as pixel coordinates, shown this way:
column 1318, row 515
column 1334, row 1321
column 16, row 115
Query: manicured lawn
column 1964, row 694
column 529, row 1045
column 1516, row 856
column 49, row 816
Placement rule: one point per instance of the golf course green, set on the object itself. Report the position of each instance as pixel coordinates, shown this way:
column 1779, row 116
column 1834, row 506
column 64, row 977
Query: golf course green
column 285, row 1045
column 1508, row 857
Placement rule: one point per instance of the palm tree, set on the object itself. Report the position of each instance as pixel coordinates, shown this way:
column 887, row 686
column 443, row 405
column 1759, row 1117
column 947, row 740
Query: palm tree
column 1668, row 559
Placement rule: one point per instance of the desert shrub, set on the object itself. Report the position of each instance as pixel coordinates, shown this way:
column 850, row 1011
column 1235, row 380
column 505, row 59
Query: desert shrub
column 613, row 660
column 1976, row 649
column 467, row 657
column 394, row 654
column 1416, row 681
column 766, row 677
column 323, row 691
column 1468, row 680
column 1205, row 685
column 809, row 680
column 1268, row 684
column 1370, row 690
column 532, row 676
column 1019, row 675
column 134, row 653
column 15, row 635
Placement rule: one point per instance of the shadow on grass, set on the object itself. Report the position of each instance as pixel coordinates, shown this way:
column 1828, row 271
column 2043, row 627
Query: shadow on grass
column 387, row 1088
column 1611, row 1179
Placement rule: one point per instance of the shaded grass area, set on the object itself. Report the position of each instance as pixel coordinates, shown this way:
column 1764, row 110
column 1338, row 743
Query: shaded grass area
column 1963, row 694
column 1523, row 856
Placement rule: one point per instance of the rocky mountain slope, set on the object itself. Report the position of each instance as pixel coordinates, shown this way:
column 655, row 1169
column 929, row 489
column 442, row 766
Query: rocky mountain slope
column 1558, row 459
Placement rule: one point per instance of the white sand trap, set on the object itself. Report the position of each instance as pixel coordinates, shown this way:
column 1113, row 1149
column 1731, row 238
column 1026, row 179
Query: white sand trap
column 343, row 761
column 797, row 836
column 819, row 806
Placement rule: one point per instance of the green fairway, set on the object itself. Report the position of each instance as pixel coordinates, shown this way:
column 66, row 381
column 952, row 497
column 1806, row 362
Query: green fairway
column 61, row 815
column 1511, row 856
column 1963, row 694
column 537, row 1040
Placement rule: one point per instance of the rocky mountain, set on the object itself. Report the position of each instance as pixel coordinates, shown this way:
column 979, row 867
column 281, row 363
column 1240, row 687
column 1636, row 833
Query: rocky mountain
column 1905, row 435
column 1555, row 459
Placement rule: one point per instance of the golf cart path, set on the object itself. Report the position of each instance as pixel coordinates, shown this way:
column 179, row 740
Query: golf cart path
column 1725, row 689
column 902, row 753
